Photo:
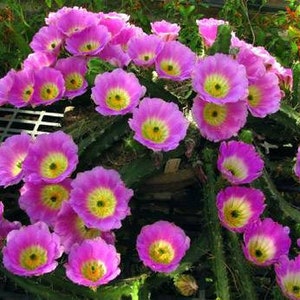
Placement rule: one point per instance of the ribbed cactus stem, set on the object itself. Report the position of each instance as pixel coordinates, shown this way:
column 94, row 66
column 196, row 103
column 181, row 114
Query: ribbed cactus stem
column 214, row 228
column 285, row 207
column 35, row 289
column 242, row 271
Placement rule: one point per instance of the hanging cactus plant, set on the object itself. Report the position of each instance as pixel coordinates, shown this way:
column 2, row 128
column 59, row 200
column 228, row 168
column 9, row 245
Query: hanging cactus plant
column 166, row 135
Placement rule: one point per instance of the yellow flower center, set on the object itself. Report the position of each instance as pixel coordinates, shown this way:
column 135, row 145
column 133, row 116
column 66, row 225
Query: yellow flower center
column 85, row 232
column 170, row 67
column 74, row 81
column 53, row 195
column 93, row 270
column 49, row 91
column 216, row 85
column 254, row 96
column 53, row 44
column 214, row 114
column 155, row 130
column 291, row 283
column 27, row 93
column 74, row 29
column 117, row 98
column 102, row 202
column 53, row 165
column 261, row 248
column 237, row 212
column 161, row 252
column 146, row 56
column 33, row 257
column 17, row 165
column 236, row 167
column 89, row 46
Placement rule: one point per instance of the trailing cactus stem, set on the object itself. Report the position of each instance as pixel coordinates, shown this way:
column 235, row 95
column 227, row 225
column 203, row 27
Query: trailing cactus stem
column 35, row 289
column 214, row 229
column 285, row 207
column 239, row 265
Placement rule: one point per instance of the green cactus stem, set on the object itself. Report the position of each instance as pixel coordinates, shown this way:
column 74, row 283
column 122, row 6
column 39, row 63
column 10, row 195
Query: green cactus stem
column 214, row 232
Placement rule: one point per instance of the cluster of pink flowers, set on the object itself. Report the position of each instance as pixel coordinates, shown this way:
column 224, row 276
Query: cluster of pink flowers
column 77, row 216
column 266, row 242
column 220, row 111
column 228, row 86
column 73, row 216
column 238, row 206
column 72, row 36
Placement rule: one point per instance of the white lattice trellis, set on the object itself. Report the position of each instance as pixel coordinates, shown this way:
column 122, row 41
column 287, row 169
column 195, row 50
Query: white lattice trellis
column 34, row 122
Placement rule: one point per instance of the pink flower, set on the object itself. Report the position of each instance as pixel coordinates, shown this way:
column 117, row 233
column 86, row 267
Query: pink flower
column 158, row 125
column 48, row 38
column 6, row 226
column 175, row 61
column 39, row 60
column 114, row 22
column 254, row 65
column 54, row 17
column 100, row 198
column 73, row 20
column 6, row 83
column 31, row 250
column 43, row 201
column 239, row 206
column 71, row 229
column 126, row 34
column 219, row 122
column 144, row 49
column 51, row 158
column 285, row 75
column 264, row 95
column 165, row 30
column 13, row 152
column 117, row 92
column 208, row 29
column 22, row 88
column 265, row 241
column 93, row 263
column 161, row 246
column 288, row 276
column 239, row 163
column 73, row 70
column 115, row 55
column 49, row 86
column 220, row 79
column 89, row 41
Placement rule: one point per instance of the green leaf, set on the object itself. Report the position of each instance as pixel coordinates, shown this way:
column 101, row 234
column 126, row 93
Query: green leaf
column 186, row 11
column 95, row 67
column 48, row 3
column 60, row 3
